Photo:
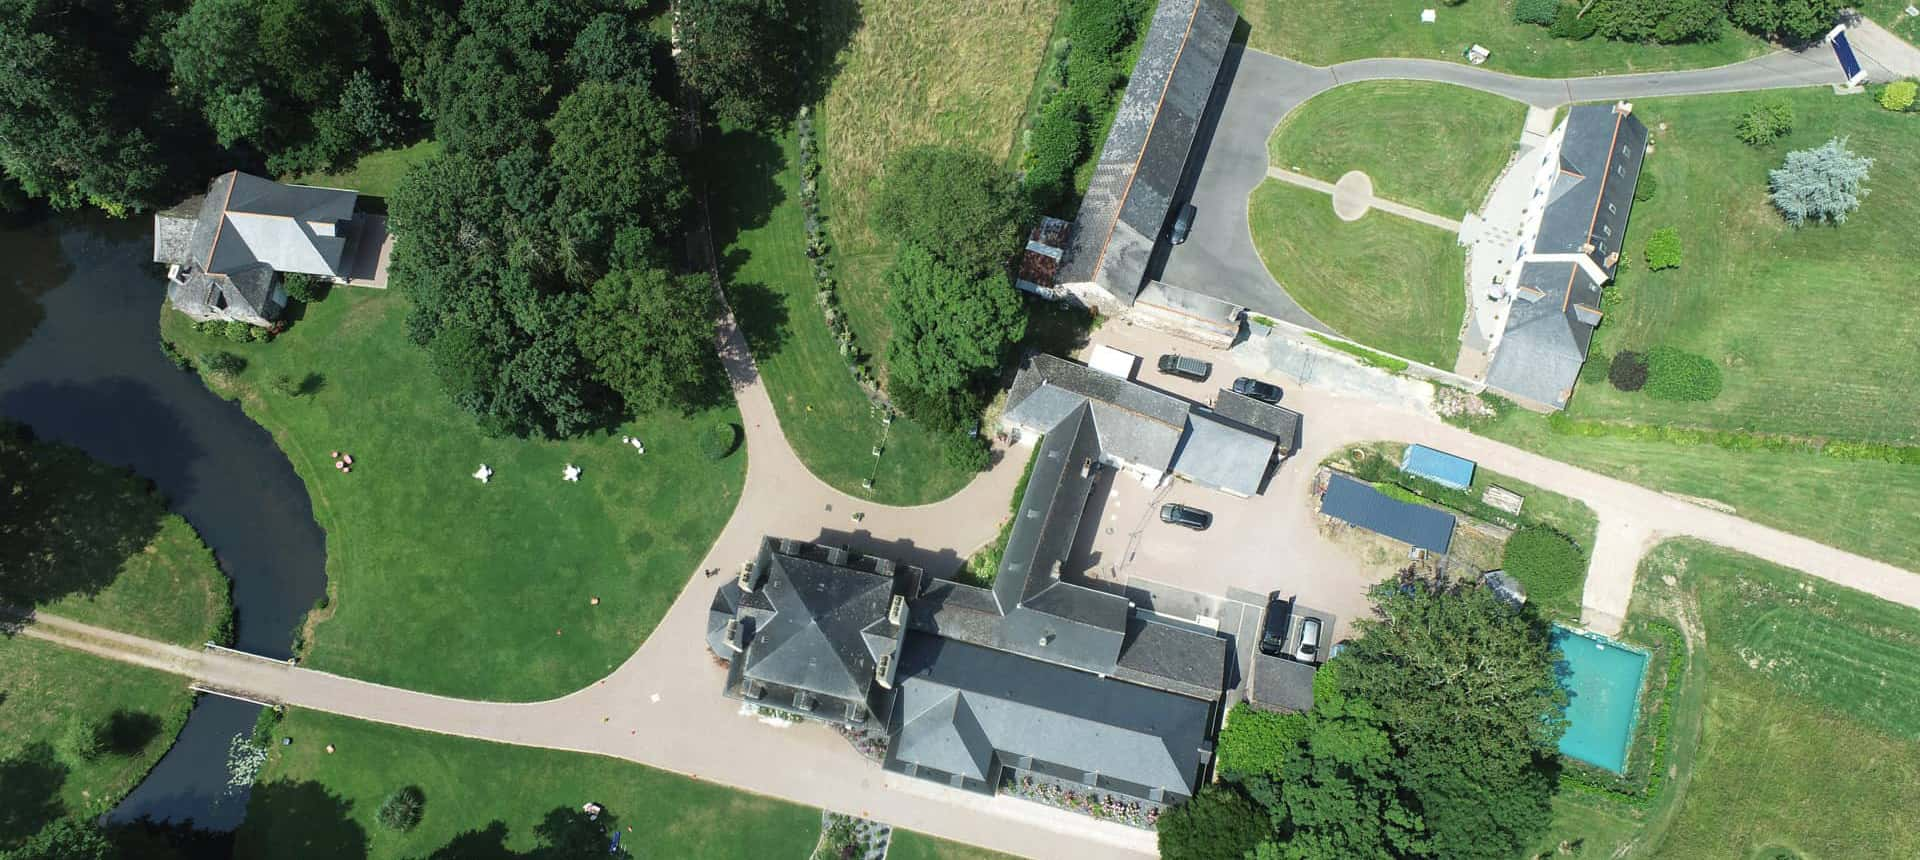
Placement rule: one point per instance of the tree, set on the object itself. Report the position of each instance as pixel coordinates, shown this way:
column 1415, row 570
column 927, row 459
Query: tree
column 949, row 326
column 304, row 288
column 1339, row 793
column 403, row 809
column 962, row 207
column 1663, row 249
column 367, row 111
column 1792, row 21
column 1764, row 123
column 649, row 337
column 614, row 49
column 1628, row 371
column 1547, row 562
column 65, row 839
column 1219, row 822
column 745, row 57
column 1257, row 742
column 616, row 166
column 1662, row 21
column 1820, row 184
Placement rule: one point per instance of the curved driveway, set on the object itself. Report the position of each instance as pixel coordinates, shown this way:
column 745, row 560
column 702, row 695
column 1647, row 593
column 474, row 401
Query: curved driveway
column 1258, row 90
column 662, row 707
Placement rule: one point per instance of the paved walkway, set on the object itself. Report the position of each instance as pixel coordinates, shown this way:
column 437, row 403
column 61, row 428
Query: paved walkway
column 1353, row 197
column 1258, row 90
column 1882, row 54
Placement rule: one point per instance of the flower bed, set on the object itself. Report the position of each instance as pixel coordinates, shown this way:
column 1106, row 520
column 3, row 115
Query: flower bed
column 1083, row 800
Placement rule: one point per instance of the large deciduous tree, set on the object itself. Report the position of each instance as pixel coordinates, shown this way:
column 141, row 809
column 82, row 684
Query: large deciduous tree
column 649, row 336
column 951, row 328
column 612, row 149
column 1789, row 20
column 1219, row 822
column 962, row 207
column 745, row 57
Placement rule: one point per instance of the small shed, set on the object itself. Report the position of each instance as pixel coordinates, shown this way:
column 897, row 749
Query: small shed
column 1354, row 501
column 1113, row 362
column 1439, row 467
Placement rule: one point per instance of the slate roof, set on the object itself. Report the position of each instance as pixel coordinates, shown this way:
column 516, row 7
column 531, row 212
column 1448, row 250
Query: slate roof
column 1354, row 501
column 957, row 702
column 1278, row 422
column 245, row 221
column 1588, row 202
column 1136, row 424
column 1223, row 454
column 810, row 618
column 1550, row 323
column 1168, row 656
column 1145, row 154
column 1281, row 684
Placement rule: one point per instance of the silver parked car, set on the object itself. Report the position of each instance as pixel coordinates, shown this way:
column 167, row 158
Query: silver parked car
column 1309, row 640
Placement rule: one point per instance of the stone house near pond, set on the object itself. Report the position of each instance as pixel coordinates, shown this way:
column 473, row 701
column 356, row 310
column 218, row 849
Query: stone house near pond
column 225, row 249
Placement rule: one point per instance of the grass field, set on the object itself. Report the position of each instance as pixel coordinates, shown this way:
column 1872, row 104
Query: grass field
column 1813, row 328
column 826, row 417
column 917, row 72
column 376, row 173
column 1313, row 33
column 1811, row 736
column 117, row 558
column 1862, row 507
column 916, row 846
column 1390, row 283
column 1431, row 146
column 444, row 584
column 490, row 795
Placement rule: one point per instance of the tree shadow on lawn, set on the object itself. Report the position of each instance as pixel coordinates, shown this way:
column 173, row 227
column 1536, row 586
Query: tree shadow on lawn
column 299, row 819
column 75, row 520
column 30, row 784
column 127, row 733
column 564, row 833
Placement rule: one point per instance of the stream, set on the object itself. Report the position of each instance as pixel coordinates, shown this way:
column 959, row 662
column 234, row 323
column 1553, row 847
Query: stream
column 80, row 363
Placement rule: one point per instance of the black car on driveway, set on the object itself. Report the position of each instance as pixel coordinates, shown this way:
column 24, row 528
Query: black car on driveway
column 1273, row 632
column 1175, row 364
column 1265, row 392
column 1181, row 515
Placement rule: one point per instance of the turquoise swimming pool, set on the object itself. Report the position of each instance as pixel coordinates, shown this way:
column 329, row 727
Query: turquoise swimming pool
column 1603, row 681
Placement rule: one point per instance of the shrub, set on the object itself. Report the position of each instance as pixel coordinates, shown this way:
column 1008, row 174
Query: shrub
column 1644, row 189
column 1764, row 123
column 966, row 453
column 1568, row 23
column 239, row 332
column 174, row 355
column 1541, row 12
column 1663, row 249
column 1548, row 563
column 1820, row 184
column 403, row 809
column 305, row 288
column 1595, row 367
column 720, row 440
column 1628, row 372
column 222, row 363
column 1256, row 742
column 85, row 740
column 1673, row 374
column 1899, row 95
column 1218, row 822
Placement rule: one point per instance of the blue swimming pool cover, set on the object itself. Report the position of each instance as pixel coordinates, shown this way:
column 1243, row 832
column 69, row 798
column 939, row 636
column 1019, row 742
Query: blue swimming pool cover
column 1439, row 467
column 1603, row 691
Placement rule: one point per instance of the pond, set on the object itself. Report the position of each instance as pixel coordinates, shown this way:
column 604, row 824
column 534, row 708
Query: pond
column 80, row 363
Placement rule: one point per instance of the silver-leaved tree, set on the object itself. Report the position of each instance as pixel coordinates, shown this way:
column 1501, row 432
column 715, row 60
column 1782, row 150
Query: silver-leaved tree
column 1820, row 184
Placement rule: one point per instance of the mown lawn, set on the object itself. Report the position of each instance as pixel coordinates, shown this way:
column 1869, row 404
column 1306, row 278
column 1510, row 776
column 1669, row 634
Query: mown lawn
column 1388, row 282
column 118, row 559
column 1892, row 15
column 1358, row 29
column 1814, row 329
column 1431, row 146
column 1811, row 739
column 826, row 417
column 916, row 72
column 439, row 582
column 310, row 804
column 376, row 173
column 908, row 845
column 1863, row 507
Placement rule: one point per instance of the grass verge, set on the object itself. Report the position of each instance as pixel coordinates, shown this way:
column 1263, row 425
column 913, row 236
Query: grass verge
column 825, row 415
column 444, row 584
column 1382, row 28
column 486, row 799
column 1382, row 280
column 1431, row 146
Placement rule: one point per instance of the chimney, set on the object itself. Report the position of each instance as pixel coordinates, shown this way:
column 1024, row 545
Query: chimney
column 1613, row 259
column 883, row 671
column 733, row 637
column 1086, row 467
column 1623, row 108
column 897, row 610
column 836, row 555
column 1054, row 571
column 746, row 577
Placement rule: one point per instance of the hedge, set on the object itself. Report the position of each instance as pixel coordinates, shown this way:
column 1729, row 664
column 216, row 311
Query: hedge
column 1541, row 12
column 1674, row 374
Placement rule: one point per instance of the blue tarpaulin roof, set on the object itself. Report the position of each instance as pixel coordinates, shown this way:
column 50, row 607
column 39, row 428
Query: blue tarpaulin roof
column 1357, row 502
column 1439, row 467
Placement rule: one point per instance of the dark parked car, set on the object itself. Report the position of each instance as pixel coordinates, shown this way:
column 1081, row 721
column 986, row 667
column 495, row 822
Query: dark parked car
column 1182, row 224
column 1191, row 368
column 1181, row 515
column 1266, row 392
column 1273, row 634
